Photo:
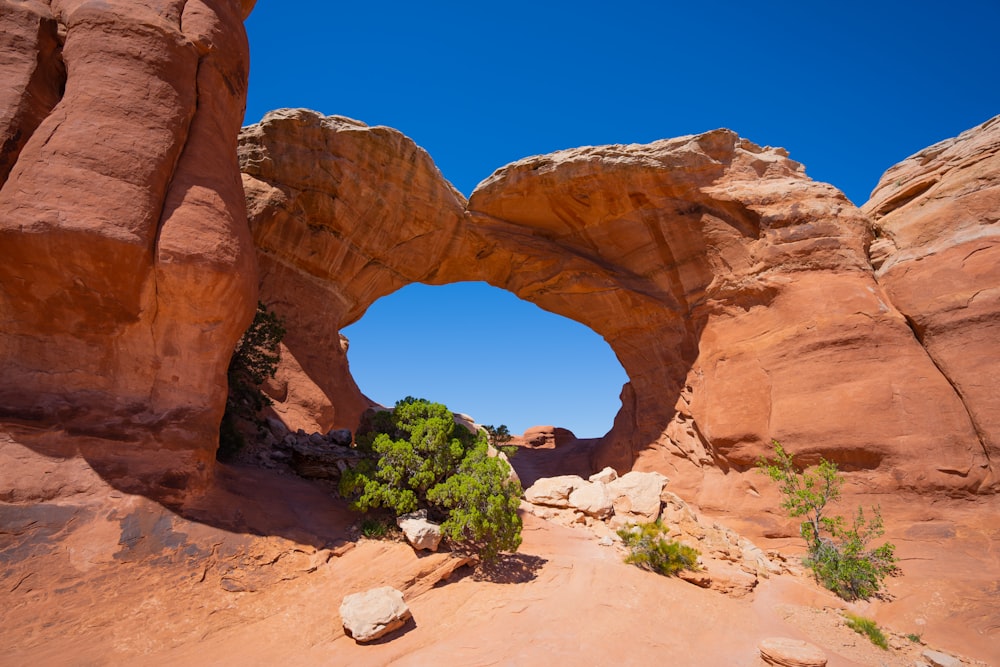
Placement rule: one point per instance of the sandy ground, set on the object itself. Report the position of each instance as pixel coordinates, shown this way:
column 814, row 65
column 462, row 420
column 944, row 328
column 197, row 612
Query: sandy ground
column 253, row 573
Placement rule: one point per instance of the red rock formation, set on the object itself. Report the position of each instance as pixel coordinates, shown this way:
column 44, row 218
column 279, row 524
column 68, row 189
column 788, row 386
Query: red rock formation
column 938, row 258
column 735, row 291
column 342, row 214
column 127, row 273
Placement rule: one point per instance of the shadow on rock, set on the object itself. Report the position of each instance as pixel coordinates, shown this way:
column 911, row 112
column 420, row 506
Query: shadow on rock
column 511, row 569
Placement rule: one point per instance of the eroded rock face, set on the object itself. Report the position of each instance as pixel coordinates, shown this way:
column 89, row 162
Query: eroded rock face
column 342, row 214
column 128, row 271
column 735, row 291
column 938, row 258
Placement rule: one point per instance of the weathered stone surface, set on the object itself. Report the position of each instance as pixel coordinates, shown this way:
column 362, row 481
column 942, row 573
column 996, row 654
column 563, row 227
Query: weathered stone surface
column 342, row 214
column 939, row 659
column 315, row 456
column 606, row 475
column 553, row 491
column 423, row 535
column 791, row 653
column 736, row 292
column 636, row 496
column 593, row 499
column 128, row 271
column 373, row 614
column 939, row 262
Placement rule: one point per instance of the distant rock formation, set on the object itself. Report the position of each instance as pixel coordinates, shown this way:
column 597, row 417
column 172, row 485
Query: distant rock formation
column 736, row 292
column 128, row 272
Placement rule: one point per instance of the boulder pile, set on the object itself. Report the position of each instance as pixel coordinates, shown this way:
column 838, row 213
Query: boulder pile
column 605, row 502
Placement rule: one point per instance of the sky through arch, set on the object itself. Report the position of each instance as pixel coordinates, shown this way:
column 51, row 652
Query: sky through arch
column 483, row 351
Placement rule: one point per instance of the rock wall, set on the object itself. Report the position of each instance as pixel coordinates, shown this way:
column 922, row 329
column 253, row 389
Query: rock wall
column 128, row 271
column 937, row 217
column 736, row 292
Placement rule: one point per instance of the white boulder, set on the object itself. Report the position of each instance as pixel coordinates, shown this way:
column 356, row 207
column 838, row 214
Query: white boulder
column 636, row 496
column 593, row 499
column 372, row 614
column 423, row 535
column 607, row 475
column 553, row 491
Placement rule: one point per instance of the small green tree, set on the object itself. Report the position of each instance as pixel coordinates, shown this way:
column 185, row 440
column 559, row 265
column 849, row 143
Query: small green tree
column 419, row 458
column 650, row 550
column 838, row 555
column 254, row 360
column 500, row 437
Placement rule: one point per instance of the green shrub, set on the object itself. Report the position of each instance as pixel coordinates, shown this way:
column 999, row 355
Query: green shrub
column 376, row 528
column 867, row 627
column 419, row 458
column 914, row 637
column 254, row 360
column 650, row 550
column 838, row 555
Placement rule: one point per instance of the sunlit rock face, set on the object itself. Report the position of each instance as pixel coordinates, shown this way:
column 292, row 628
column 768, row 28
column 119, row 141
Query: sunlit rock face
column 128, row 271
column 937, row 215
column 735, row 291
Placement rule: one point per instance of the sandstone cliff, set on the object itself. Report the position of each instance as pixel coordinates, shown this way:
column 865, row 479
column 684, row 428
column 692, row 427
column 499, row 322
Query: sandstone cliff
column 128, row 271
column 937, row 215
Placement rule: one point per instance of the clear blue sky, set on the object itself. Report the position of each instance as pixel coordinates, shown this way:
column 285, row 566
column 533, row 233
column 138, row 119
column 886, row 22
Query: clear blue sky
column 849, row 88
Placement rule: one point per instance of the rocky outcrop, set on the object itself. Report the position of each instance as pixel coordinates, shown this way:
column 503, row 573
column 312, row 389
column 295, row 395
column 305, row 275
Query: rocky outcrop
column 128, row 271
column 938, row 257
column 735, row 291
column 341, row 215
column 729, row 562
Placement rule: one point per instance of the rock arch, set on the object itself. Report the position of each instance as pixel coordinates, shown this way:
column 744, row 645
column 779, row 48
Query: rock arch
column 736, row 292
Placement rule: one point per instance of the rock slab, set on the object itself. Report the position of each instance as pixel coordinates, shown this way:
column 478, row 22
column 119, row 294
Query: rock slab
column 939, row 659
column 786, row 652
column 374, row 613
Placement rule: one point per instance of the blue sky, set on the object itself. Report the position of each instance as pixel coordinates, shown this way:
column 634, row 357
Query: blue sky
column 849, row 88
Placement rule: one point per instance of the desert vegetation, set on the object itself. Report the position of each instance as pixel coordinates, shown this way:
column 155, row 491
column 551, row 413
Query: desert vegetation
column 254, row 361
column 651, row 550
column 838, row 554
column 867, row 627
column 420, row 458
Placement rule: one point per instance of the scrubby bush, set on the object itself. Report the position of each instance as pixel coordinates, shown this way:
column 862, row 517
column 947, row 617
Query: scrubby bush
column 421, row 459
column 650, row 550
column 255, row 360
column 867, row 627
column 838, row 555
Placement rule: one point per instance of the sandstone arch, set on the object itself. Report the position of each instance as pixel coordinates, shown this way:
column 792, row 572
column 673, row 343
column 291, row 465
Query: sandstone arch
column 735, row 291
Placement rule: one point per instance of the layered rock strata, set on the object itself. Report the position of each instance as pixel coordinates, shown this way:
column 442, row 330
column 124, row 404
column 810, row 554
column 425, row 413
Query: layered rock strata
column 735, row 291
column 128, row 271
column 937, row 217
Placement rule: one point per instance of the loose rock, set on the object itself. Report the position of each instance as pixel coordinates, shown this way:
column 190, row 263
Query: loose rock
column 553, row 491
column 373, row 614
column 791, row 653
column 423, row 535
column 939, row 659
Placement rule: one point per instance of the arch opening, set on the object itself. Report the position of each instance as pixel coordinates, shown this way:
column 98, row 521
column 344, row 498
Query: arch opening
column 484, row 352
